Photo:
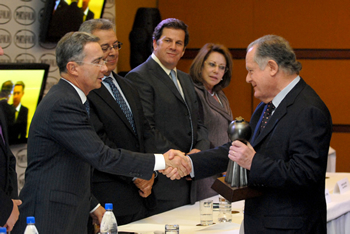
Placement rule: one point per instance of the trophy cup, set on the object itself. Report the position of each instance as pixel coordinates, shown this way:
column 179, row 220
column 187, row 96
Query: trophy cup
column 234, row 187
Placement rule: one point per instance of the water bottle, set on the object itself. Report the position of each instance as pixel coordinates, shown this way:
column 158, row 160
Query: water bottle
column 3, row 230
column 225, row 214
column 31, row 229
column 109, row 223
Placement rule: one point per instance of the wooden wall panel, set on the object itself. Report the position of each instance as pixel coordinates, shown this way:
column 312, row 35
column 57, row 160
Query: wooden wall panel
column 330, row 80
column 340, row 142
column 125, row 16
column 235, row 23
column 206, row 19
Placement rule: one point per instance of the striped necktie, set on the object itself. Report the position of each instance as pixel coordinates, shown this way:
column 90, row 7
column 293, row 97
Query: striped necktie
column 87, row 107
column 121, row 102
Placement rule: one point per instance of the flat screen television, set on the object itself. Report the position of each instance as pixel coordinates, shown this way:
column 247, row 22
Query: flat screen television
column 17, row 102
column 62, row 16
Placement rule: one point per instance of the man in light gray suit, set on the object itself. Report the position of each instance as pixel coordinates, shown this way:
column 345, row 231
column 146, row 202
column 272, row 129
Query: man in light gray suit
column 62, row 146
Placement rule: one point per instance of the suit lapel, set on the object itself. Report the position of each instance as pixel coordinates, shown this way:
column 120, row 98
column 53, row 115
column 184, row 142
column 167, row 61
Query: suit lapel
column 213, row 104
column 281, row 111
column 131, row 100
column 165, row 79
column 106, row 96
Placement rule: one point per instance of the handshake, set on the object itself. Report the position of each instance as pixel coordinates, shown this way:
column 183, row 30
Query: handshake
column 177, row 165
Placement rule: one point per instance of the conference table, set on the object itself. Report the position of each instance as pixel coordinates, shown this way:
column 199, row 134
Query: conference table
column 338, row 215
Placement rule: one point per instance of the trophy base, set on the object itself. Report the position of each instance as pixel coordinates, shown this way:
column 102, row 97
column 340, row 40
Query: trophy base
column 234, row 193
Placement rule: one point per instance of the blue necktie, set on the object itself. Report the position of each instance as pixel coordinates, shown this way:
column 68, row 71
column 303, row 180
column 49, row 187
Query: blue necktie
column 173, row 77
column 87, row 107
column 120, row 100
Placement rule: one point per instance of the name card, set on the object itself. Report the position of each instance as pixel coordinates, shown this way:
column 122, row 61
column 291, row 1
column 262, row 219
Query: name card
column 342, row 186
column 328, row 197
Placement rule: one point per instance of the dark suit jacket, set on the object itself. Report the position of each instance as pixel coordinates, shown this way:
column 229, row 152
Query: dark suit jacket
column 90, row 15
column 8, row 176
column 62, row 147
column 18, row 131
column 67, row 18
column 115, row 131
column 177, row 120
column 289, row 166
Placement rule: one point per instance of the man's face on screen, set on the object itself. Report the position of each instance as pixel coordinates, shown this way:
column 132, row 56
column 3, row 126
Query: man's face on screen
column 107, row 39
column 17, row 94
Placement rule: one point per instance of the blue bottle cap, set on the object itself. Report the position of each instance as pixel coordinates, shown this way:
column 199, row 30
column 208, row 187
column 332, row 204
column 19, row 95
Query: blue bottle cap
column 30, row 219
column 109, row 206
column 3, row 230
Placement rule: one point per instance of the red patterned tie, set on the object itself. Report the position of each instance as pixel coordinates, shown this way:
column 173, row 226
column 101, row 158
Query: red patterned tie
column 267, row 114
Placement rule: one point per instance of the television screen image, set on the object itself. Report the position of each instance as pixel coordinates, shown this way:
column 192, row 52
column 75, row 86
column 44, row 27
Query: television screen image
column 22, row 88
column 62, row 16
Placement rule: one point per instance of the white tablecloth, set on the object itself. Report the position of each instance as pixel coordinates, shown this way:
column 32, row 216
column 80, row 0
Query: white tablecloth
column 338, row 216
column 188, row 218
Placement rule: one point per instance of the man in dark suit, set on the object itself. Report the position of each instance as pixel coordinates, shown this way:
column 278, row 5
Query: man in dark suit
column 130, row 196
column 18, row 131
column 287, row 155
column 66, row 18
column 62, row 146
column 88, row 14
column 8, row 178
column 170, row 105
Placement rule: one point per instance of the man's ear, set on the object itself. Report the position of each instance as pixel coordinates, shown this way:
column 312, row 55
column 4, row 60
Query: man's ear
column 155, row 44
column 273, row 66
column 72, row 68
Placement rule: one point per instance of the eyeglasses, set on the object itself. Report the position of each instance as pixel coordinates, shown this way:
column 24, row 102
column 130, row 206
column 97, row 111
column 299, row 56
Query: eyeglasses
column 117, row 45
column 222, row 68
column 100, row 63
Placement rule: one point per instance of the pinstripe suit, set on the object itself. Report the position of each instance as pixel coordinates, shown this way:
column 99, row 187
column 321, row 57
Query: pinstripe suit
column 62, row 146
column 8, row 177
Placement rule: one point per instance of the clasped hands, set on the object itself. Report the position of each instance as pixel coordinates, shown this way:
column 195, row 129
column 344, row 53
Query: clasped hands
column 177, row 164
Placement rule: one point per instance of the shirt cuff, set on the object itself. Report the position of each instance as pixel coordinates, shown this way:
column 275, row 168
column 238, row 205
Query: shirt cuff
column 160, row 162
column 98, row 205
column 192, row 172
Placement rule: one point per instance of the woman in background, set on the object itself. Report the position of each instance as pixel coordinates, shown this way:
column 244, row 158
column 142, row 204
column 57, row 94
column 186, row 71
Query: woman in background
column 211, row 71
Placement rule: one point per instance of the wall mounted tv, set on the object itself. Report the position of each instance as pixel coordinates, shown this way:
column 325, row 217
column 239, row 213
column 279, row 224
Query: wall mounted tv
column 17, row 102
column 62, row 16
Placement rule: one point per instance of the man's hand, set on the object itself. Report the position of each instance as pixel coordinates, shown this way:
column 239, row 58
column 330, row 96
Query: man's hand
column 179, row 163
column 171, row 173
column 11, row 221
column 242, row 154
column 97, row 215
column 193, row 151
column 145, row 186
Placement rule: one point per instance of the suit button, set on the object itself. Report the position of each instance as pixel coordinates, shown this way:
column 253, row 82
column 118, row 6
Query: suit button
column 189, row 133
